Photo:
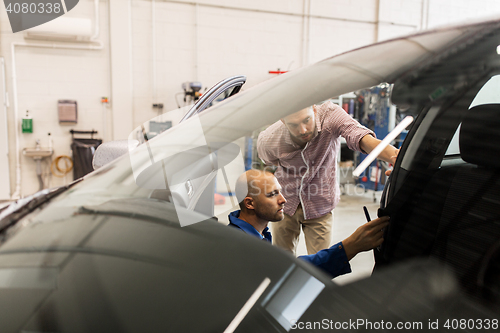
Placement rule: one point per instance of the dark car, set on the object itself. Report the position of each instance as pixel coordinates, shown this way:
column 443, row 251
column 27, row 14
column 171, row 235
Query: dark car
column 135, row 247
column 444, row 193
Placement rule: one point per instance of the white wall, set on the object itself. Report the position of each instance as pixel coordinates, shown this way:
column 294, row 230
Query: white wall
column 151, row 47
column 444, row 12
column 4, row 148
column 43, row 76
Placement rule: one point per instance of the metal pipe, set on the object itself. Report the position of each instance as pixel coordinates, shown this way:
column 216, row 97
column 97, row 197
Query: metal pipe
column 104, row 121
column 38, row 162
column 5, row 106
column 131, row 63
column 17, row 194
column 377, row 20
column 284, row 13
column 424, row 22
column 196, row 41
column 96, row 21
column 308, row 36
column 306, row 25
column 153, row 42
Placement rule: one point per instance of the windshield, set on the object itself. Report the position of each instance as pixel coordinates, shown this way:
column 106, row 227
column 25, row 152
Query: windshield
column 119, row 228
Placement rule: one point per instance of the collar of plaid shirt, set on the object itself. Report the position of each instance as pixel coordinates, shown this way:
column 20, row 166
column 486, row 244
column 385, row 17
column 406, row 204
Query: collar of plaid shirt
column 308, row 175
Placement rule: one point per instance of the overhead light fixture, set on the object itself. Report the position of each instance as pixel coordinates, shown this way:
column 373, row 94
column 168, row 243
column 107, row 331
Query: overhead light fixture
column 498, row 49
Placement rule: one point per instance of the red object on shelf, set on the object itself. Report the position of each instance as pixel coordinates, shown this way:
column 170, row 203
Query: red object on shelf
column 364, row 179
column 219, row 199
column 277, row 72
column 345, row 106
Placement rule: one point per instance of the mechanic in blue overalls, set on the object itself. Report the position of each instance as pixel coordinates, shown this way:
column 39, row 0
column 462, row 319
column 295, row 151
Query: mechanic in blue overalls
column 261, row 201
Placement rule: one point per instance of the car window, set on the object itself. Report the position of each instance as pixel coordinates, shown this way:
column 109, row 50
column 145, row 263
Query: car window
column 453, row 148
column 219, row 92
column 225, row 94
column 292, row 297
column 488, row 94
column 443, row 198
column 435, row 142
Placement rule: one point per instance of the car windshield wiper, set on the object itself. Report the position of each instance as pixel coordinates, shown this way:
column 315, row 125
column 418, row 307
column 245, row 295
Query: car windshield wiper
column 139, row 208
column 22, row 207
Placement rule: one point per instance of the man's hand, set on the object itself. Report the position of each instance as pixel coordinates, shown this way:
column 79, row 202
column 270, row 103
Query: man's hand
column 393, row 161
column 366, row 237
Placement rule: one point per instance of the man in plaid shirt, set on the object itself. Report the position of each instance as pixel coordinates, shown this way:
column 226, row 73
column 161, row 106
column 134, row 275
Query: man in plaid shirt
column 304, row 147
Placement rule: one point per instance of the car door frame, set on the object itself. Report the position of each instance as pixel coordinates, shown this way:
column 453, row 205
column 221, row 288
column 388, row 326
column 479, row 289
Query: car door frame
column 207, row 98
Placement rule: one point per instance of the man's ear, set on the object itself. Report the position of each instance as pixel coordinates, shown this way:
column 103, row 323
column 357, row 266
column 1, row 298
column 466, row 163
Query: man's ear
column 249, row 203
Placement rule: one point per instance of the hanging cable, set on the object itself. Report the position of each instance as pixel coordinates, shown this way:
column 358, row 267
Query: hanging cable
column 58, row 171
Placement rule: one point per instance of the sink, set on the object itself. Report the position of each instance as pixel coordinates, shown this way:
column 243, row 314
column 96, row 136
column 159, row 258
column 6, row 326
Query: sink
column 38, row 152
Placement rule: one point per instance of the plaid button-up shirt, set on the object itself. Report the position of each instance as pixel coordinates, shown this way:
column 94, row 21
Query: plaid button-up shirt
column 309, row 175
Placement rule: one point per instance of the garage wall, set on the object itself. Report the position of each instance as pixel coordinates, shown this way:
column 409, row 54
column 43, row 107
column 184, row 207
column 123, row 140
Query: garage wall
column 149, row 48
column 445, row 12
column 207, row 40
column 44, row 75
column 206, row 43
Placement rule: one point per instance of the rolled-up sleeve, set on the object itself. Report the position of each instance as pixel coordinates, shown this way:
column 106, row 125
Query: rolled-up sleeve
column 344, row 125
column 332, row 260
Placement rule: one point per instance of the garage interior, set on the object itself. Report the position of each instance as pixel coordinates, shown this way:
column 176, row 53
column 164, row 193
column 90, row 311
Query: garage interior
column 106, row 67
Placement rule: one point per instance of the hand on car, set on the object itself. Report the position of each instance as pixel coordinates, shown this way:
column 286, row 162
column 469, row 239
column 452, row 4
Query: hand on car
column 366, row 237
column 393, row 161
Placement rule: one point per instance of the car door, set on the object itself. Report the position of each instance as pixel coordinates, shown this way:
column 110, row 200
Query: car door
column 443, row 196
column 219, row 92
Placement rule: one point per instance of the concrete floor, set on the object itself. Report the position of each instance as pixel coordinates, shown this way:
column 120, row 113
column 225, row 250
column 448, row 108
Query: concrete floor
column 348, row 215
